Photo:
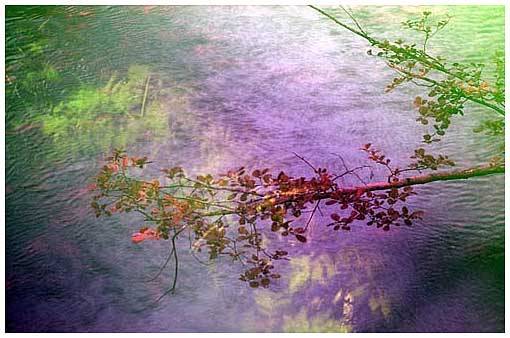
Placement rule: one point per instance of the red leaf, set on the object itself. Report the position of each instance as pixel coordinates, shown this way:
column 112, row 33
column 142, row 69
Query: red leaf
column 137, row 238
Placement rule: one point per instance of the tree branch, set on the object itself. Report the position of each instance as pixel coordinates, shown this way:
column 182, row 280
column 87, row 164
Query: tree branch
column 423, row 179
column 424, row 58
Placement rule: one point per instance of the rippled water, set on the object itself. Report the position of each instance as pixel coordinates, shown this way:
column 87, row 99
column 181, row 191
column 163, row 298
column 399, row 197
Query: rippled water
column 243, row 86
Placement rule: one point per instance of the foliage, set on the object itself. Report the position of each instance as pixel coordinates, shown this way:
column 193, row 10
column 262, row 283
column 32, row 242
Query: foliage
column 227, row 215
column 450, row 85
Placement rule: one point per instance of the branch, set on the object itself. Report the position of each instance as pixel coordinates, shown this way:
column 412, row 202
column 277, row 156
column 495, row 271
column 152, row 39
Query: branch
column 423, row 179
column 424, row 58
column 363, row 35
column 307, row 162
column 284, row 200
column 436, row 83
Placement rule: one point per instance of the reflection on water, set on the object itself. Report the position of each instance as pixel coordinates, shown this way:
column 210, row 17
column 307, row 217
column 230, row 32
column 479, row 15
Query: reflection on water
column 232, row 86
column 335, row 291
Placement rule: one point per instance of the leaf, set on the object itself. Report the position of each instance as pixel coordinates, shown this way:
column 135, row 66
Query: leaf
column 137, row 237
column 360, row 217
column 267, row 178
column 301, row 238
column 417, row 102
column 282, row 177
column 417, row 214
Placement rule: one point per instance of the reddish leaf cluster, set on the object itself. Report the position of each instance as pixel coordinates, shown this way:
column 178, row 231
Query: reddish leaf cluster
column 227, row 215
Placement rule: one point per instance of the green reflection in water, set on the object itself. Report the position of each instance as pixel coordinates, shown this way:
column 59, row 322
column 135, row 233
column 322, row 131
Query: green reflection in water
column 312, row 300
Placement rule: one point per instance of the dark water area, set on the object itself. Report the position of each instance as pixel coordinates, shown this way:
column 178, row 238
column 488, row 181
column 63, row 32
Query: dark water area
column 235, row 86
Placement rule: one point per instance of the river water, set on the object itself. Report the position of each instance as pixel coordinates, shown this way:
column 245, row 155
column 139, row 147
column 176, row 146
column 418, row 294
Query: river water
column 248, row 86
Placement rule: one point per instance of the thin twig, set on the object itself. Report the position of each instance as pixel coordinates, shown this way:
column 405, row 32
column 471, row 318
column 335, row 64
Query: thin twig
column 145, row 95
column 350, row 171
column 354, row 20
column 176, row 271
column 320, row 210
column 304, row 160
column 172, row 289
column 311, row 216
column 363, row 35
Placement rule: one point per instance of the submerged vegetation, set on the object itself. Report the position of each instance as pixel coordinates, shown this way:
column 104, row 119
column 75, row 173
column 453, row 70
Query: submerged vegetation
column 135, row 105
column 112, row 114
